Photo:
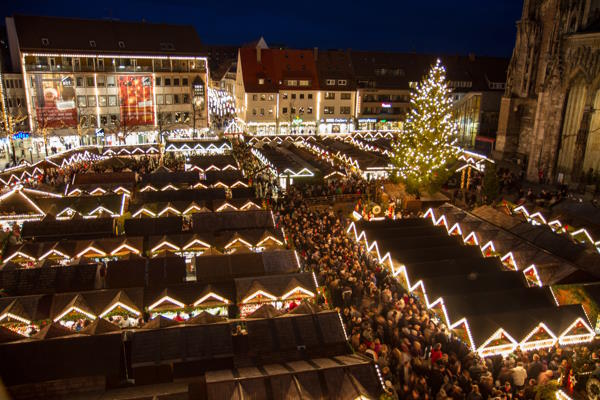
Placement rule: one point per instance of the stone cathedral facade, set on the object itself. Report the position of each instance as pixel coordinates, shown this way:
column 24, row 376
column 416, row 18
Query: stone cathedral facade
column 550, row 112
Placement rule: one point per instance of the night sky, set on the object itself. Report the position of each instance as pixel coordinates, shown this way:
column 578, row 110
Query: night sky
column 484, row 27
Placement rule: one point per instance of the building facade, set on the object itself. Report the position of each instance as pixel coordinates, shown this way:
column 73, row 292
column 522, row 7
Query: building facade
column 277, row 91
column 13, row 106
column 84, row 85
column 337, row 106
column 385, row 82
column 549, row 114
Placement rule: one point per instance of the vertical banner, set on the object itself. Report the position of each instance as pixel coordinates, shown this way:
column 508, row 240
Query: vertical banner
column 135, row 93
column 55, row 101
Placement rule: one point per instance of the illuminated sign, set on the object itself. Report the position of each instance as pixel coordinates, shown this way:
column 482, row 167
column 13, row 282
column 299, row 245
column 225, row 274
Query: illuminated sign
column 100, row 132
column 21, row 135
column 386, row 105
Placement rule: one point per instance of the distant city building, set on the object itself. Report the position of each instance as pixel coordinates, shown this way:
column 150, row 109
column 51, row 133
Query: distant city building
column 549, row 116
column 108, row 81
column 337, row 108
column 360, row 91
column 277, row 91
column 82, row 85
column 222, row 61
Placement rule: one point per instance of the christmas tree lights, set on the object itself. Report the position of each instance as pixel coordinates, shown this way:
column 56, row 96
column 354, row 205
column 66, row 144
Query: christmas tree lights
column 427, row 144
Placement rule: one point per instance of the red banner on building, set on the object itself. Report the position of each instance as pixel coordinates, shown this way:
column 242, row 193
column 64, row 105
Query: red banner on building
column 55, row 101
column 136, row 95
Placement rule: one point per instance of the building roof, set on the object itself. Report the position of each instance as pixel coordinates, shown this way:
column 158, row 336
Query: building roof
column 336, row 65
column 489, row 296
column 219, row 268
column 276, row 67
column 73, row 34
column 396, row 70
column 341, row 377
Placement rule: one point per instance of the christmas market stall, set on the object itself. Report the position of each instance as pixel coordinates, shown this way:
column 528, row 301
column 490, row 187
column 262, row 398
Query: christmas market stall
column 226, row 268
column 220, row 162
column 20, row 204
column 106, row 204
column 193, row 147
column 184, row 301
column 281, row 291
column 131, row 150
column 284, row 165
column 494, row 309
column 348, row 377
column 97, row 184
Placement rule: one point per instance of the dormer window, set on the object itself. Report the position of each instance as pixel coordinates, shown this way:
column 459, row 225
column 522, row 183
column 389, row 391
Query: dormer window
column 121, row 44
column 45, row 42
column 342, row 82
column 261, row 81
column 330, row 82
column 92, row 43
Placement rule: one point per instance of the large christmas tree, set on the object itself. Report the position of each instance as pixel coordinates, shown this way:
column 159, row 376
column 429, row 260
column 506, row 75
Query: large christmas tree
column 427, row 144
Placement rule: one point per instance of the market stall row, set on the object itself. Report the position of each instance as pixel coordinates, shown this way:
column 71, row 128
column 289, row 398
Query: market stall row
column 367, row 163
column 546, row 259
column 296, row 353
column 198, row 146
column 178, row 301
column 494, row 309
column 187, row 244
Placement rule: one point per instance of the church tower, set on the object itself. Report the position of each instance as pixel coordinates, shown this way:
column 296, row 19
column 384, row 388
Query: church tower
column 543, row 108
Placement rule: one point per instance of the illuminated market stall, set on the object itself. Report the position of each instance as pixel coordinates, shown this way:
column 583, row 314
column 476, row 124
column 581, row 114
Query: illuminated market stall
column 280, row 291
column 492, row 308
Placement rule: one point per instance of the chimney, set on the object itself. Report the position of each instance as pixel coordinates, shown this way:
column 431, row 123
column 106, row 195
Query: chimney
column 315, row 53
column 258, row 55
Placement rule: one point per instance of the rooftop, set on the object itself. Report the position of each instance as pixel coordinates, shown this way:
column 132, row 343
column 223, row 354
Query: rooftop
column 95, row 36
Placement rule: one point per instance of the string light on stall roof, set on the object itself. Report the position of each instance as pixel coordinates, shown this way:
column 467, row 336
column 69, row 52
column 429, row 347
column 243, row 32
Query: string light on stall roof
column 482, row 350
column 121, row 305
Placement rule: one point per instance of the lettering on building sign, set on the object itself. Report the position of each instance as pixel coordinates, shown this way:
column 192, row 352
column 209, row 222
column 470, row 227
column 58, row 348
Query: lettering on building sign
column 386, row 105
column 20, row 135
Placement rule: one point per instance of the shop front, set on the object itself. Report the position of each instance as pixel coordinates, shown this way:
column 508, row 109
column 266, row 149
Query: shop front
column 335, row 126
column 262, row 129
column 129, row 139
column 375, row 124
column 60, row 143
column 298, row 127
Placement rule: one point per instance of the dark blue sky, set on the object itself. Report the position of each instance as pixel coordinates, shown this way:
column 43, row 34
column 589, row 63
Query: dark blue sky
column 485, row 27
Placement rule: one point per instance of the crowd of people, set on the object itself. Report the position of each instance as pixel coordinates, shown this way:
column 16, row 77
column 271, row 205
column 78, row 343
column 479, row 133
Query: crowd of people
column 418, row 357
column 60, row 176
column 350, row 184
